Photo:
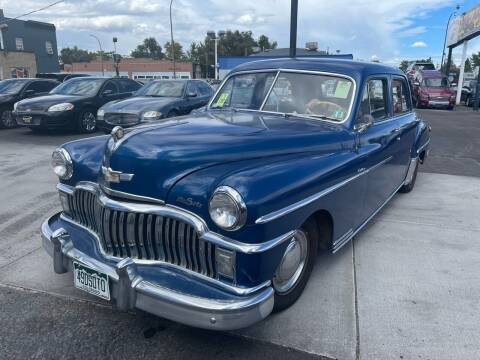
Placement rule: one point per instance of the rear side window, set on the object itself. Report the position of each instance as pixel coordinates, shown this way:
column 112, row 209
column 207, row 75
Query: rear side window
column 128, row 86
column 204, row 89
column 41, row 86
column 401, row 101
column 374, row 100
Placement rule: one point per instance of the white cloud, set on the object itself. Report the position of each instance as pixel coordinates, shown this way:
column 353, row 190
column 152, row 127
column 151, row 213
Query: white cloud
column 361, row 27
column 419, row 44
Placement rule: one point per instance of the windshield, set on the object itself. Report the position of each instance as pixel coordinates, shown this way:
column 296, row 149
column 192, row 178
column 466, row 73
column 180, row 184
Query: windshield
column 436, row 82
column 11, row 86
column 80, row 87
column 167, row 88
column 305, row 94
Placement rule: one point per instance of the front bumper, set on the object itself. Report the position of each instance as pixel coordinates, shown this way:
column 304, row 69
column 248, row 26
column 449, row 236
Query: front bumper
column 129, row 290
column 45, row 120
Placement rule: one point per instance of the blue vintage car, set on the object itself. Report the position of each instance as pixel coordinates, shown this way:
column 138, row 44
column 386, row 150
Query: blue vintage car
column 214, row 219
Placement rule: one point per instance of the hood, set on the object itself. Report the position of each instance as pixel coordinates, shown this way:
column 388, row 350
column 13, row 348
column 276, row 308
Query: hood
column 139, row 104
column 161, row 154
column 44, row 102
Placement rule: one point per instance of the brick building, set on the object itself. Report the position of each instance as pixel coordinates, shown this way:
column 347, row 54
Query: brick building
column 134, row 68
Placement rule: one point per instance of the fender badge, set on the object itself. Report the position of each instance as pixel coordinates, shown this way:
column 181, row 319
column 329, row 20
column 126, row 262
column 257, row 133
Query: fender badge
column 117, row 133
column 115, row 176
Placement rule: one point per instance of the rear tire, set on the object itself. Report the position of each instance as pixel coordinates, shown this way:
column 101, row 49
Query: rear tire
column 289, row 288
column 7, row 120
column 87, row 122
column 407, row 188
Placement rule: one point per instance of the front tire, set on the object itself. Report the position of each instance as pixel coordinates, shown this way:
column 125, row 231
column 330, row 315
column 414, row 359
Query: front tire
column 87, row 122
column 7, row 121
column 296, row 266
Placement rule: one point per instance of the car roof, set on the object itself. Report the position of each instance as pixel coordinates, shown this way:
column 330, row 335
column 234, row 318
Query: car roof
column 354, row 69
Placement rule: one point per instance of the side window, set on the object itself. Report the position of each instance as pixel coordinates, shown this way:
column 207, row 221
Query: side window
column 128, row 86
column 191, row 87
column 39, row 86
column 374, row 100
column 110, row 85
column 401, row 101
column 204, row 89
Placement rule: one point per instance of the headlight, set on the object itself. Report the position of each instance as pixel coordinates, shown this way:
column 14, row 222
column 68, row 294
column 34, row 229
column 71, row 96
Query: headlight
column 151, row 115
column 227, row 208
column 62, row 164
column 100, row 114
column 61, row 107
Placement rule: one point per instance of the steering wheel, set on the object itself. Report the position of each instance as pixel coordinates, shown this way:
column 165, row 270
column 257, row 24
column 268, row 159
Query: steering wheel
column 319, row 107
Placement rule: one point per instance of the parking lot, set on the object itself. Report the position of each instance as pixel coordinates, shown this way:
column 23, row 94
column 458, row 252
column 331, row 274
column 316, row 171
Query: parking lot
column 407, row 287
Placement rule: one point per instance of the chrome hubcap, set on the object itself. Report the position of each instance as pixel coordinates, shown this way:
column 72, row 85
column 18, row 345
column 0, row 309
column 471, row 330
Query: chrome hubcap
column 7, row 119
column 89, row 122
column 293, row 262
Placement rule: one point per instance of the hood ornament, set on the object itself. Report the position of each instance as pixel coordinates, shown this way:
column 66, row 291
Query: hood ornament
column 117, row 133
column 113, row 176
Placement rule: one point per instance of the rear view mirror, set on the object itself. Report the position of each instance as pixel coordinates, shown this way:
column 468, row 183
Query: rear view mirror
column 29, row 93
column 191, row 94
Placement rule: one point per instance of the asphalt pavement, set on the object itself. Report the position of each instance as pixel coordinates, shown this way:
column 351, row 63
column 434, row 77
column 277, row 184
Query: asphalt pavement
column 407, row 287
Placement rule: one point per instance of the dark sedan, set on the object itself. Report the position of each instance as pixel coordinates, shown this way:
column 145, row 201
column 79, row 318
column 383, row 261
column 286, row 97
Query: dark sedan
column 156, row 100
column 13, row 90
column 73, row 104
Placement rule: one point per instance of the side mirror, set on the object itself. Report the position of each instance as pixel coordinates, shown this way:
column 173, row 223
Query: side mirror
column 107, row 92
column 29, row 93
column 191, row 94
column 364, row 123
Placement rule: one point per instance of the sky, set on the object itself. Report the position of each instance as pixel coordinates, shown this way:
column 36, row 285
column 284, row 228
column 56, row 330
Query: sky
column 387, row 30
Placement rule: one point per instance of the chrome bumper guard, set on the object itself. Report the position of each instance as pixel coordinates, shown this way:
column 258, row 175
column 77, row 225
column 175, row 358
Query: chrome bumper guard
column 131, row 291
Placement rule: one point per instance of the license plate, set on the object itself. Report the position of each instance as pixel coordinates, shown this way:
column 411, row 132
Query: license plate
column 91, row 281
column 27, row 119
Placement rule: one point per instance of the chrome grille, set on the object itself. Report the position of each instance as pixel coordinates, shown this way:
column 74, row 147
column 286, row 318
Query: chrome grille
column 120, row 118
column 143, row 236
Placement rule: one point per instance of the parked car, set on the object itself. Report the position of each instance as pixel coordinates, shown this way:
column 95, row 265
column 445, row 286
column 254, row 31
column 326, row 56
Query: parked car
column 73, row 104
column 61, row 77
column 470, row 101
column 214, row 219
column 466, row 91
column 13, row 90
column 431, row 89
column 157, row 100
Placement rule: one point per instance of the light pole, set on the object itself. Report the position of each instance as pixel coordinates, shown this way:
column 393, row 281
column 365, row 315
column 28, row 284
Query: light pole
column 172, row 44
column 216, row 37
column 446, row 33
column 115, row 62
column 101, row 52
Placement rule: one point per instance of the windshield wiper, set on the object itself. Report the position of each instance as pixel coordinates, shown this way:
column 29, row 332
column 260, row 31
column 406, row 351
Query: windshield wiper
column 323, row 117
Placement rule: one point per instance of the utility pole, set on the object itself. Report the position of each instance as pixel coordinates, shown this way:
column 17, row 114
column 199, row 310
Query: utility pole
column 101, row 53
column 172, row 44
column 293, row 28
column 446, row 33
column 115, row 59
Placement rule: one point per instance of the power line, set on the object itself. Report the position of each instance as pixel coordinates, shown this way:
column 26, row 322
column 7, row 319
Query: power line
column 32, row 12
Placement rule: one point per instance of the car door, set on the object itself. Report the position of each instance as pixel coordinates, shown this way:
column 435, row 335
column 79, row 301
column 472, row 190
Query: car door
column 405, row 126
column 193, row 99
column 377, row 144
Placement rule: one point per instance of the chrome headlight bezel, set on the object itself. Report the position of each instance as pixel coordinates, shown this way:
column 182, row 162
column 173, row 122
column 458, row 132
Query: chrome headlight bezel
column 62, row 164
column 238, row 209
column 61, row 107
column 151, row 115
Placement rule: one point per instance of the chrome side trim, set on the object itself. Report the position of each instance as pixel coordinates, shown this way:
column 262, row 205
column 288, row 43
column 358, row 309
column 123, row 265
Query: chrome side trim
column 180, row 214
column 279, row 70
column 421, row 148
column 217, row 283
column 312, row 198
column 349, row 235
column 411, row 171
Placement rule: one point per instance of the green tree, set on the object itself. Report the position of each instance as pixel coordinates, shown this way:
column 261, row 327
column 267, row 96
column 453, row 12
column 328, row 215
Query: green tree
column 475, row 60
column 468, row 65
column 263, row 42
column 70, row 55
column 403, row 65
column 149, row 48
column 179, row 54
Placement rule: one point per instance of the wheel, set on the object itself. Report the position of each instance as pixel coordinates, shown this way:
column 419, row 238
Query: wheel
column 296, row 266
column 172, row 113
column 7, row 121
column 87, row 122
column 407, row 188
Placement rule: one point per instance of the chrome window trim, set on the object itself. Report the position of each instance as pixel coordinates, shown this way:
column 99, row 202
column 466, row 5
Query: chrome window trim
column 180, row 214
column 299, row 71
column 312, row 198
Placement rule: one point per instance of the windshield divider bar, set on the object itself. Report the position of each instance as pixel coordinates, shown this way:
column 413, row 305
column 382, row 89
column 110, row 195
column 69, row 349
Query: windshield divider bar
column 269, row 90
